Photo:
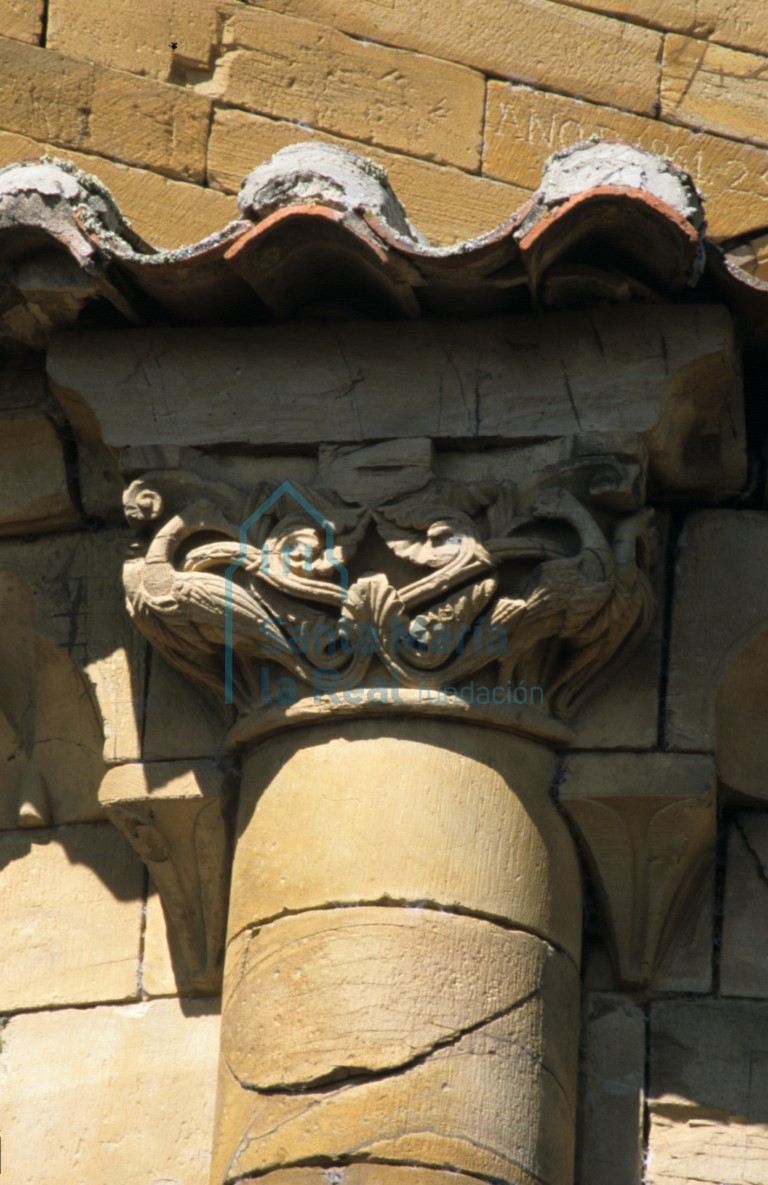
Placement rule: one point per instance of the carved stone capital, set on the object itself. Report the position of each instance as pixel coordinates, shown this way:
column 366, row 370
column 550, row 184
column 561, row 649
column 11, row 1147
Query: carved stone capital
column 383, row 585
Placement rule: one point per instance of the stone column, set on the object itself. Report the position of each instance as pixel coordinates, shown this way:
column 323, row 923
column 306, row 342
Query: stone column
column 401, row 983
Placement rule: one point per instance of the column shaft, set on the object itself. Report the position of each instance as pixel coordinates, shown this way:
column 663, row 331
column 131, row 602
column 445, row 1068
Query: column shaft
column 401, row 982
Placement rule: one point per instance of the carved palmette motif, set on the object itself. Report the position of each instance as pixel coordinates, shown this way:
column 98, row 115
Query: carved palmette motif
column 539, row 579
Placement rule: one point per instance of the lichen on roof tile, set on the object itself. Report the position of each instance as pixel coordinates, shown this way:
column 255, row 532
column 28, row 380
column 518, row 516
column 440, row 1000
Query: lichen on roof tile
column 324, row 175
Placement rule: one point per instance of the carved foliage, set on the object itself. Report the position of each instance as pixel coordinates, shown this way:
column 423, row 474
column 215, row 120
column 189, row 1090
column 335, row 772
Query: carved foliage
column 538, row 580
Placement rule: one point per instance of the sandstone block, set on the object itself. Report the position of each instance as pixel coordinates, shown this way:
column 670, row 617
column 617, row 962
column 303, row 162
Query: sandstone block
column 532, row 41
column 74, row 578
column 498, row 1103
column 164, row 212
column 367, row 990
column 524, row 126
column 51, row 762
column 157, row 974
column 744, row 955
column 446, row 204
column 34, row 484
column 708, row 86
column 412, row 826
column 660, row 14
column 76, row 104
column 719, row 646
column 742, row 23
column 670, row 374
column 183, row 720
column 708, row 1093
column 114, row 1093
column 135, row 36
column 70, row 917
column 22, row 20
column 298, row 70
column 610, row 1146
column 623, row 711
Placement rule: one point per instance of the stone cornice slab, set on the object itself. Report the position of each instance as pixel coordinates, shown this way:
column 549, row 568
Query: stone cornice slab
column 668, row 373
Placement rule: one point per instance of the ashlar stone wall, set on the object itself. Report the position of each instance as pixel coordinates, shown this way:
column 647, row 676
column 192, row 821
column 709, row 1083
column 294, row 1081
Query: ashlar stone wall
column 170, row 104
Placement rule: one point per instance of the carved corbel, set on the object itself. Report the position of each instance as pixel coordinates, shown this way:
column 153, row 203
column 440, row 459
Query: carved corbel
column 647, row 824
column 177, row 820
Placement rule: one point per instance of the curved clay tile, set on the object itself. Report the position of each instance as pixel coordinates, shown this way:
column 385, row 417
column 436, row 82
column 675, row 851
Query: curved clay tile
column 323, row 234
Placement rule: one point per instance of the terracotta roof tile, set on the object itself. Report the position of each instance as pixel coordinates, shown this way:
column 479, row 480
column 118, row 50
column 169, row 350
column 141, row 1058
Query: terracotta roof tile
column 322, row 234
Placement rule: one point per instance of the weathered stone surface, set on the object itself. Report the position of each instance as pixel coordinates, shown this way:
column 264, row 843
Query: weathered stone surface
column 708, row 86
column 165, row 212
column 110, row 1094
column 374, row 1018
column 751, row 255
column 136, row 36
column 51, row 762
column 498, row 1102
column 670, row 374
column 138, row 121
column 623, row 711
column 588, row 55
column 158, row 977
column 22, row 20
column 74, row 578
column 435, row 1034
column 182, row 719
column 176, row 819
column 295, row 69
column 740, row 23
column 744, row 953
column 647, row 823
column 445, row 203
column 412, row 825
column 34, row 486
column 708, row 1093
column 611, row 1089
column 718, row 650
column 524, row 126
column 70, row 917
column 368, row 1174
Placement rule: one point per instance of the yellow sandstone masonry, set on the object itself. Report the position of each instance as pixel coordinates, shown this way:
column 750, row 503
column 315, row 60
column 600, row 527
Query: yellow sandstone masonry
column 70, row 917
column 166, row 213
column 22, row 19
column 446, row 204
column 117, row 1093
column 740, row 23
column 76, row 104
column 135, row 35
column 523, row 127
column 722, row 90
column 303, row 71
column 531, row 41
